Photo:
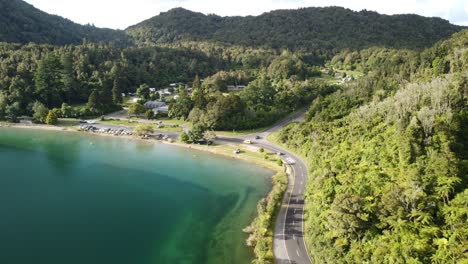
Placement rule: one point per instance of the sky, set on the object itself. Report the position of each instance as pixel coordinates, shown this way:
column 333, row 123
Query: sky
column 120, row 14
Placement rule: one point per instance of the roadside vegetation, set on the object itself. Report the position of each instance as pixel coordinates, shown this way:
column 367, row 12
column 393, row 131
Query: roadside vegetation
column 261, row 231
column 388, row 158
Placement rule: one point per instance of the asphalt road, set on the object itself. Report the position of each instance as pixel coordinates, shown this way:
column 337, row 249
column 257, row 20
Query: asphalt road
column 288, row 245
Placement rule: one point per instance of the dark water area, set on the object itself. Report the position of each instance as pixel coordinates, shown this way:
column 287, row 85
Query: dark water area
column 75, row 198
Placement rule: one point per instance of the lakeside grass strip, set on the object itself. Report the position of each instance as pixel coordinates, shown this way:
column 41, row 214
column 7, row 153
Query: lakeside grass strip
column 261, row 230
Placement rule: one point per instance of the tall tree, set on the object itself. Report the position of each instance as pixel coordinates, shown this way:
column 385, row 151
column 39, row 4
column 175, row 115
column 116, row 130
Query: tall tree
column 93, row 101
column 68, row 77
column 118, row 84
column 143, row 91
column 198, row 95
column 48, row 80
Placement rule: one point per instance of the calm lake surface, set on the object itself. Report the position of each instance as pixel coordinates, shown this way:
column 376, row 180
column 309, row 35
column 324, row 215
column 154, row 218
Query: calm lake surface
column 75, row 198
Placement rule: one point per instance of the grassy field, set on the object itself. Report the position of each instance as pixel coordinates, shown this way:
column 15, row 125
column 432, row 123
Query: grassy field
column 240, row 132
column 68, row 122
column 134, row 123
column 247, row 153
column 120, row 122
column 175, row 122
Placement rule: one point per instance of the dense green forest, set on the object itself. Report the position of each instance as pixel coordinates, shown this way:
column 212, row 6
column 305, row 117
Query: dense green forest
column 388, row 158
column 320, row 32
column 21, row 22
column 272, row 91
column 55, row 75
column 311, row 29
column 97, row 74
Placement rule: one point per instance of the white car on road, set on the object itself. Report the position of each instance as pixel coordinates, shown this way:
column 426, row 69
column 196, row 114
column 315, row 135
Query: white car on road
column 290, row 161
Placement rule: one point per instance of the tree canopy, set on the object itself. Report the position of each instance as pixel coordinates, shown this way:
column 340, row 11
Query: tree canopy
column 388, row 160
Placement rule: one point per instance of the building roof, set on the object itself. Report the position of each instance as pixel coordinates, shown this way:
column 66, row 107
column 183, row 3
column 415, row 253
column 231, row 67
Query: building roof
column 154, row 104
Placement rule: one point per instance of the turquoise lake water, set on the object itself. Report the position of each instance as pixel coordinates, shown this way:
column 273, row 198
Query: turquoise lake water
column 71, row 198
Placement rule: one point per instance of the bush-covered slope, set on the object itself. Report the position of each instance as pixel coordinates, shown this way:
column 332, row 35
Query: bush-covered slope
column 21, row 22
column 388, row 179
column 307, row 28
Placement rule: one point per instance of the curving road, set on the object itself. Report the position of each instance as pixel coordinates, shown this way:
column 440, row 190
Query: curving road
column 289, row 245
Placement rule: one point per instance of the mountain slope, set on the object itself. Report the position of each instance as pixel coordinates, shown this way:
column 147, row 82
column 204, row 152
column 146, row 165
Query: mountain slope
column 389, row 161
column 22, row 23
column 307, row 28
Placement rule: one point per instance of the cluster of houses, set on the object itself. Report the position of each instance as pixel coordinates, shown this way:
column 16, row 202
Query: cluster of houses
column 158, row 106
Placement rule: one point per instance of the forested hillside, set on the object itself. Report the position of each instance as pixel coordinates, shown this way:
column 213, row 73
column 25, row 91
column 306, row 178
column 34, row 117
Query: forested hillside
column 320, row 32
column 388, row 159
column 311, row 29
column 97, row 74
column 20, row 22
column 55, row 75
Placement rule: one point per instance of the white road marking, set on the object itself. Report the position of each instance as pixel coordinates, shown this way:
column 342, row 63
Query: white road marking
column 286, row 215
column 297, row 252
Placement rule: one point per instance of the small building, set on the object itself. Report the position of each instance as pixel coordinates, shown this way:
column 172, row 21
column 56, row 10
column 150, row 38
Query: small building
column 152, row 90
column 162, row 109
column 25, row 120
column 154, row 104
column 157, row 106
column 164, row 92
column 347, row 79
column 173, row 85
column 233, row 88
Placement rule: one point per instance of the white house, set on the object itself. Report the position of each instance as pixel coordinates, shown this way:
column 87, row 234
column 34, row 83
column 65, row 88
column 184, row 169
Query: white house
column 176, row 84
column 157, row 106
column 164, row 92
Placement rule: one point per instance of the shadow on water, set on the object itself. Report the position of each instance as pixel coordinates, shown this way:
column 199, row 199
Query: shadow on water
column 114, row 215
column 107, row 212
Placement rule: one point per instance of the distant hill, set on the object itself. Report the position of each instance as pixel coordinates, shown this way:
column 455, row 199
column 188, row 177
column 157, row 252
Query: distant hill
column 309, row 29
column 21, row 22
column 306, row 28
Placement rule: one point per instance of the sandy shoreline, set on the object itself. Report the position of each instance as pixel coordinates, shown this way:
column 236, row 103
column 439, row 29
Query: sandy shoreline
column 212, row 149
